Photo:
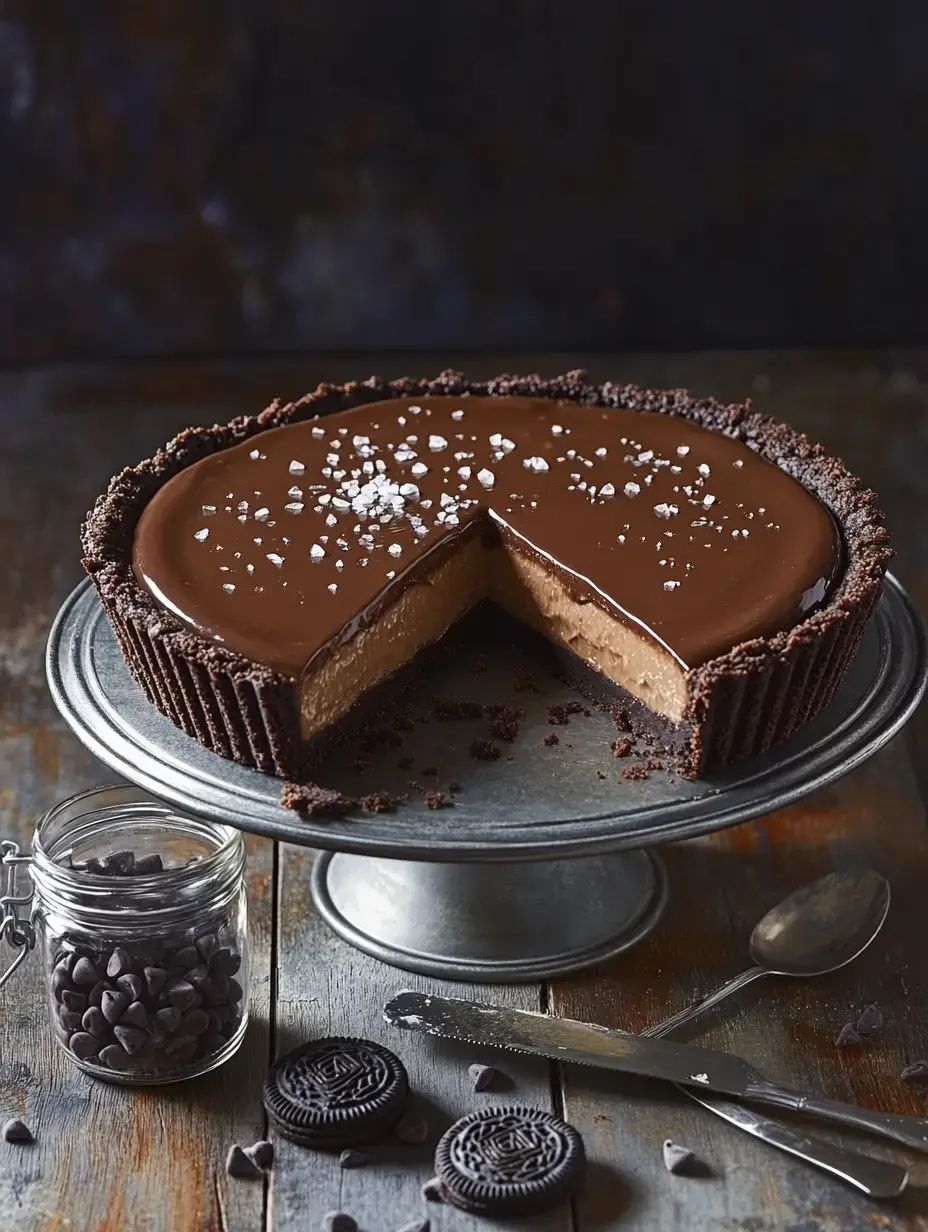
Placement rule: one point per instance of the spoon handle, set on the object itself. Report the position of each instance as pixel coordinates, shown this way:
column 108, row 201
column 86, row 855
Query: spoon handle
column 700, row 1007
column 908, row 1130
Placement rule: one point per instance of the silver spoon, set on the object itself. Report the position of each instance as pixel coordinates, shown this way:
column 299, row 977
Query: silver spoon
column 817, row 929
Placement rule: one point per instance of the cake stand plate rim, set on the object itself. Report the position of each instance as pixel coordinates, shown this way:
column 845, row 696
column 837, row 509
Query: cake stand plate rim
column 128, row 734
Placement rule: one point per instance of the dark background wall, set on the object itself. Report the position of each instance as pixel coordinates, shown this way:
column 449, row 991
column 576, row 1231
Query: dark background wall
column 187, row 177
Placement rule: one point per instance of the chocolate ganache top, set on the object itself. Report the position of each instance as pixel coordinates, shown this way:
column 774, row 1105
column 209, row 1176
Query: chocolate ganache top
column 285, row 544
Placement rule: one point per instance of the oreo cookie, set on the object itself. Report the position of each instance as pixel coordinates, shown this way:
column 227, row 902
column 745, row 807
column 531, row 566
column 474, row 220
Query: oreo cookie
column 509, row 1161
column 335, row 1093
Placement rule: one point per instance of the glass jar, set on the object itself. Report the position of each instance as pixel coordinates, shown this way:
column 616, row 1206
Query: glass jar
column 140, row 922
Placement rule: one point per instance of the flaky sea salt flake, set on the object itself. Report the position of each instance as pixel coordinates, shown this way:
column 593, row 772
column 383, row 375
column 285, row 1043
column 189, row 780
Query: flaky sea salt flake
column 536, row 464
column 631, row 489
column 317, row 551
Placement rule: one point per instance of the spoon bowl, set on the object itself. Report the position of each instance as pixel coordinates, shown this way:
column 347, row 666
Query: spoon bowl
column 822, row 926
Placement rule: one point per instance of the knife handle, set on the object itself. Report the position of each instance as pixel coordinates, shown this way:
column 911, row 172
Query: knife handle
column 908, row 1130
column 877, row 1178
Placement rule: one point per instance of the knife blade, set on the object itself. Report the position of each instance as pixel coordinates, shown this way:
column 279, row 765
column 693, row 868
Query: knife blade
column 564, row 1039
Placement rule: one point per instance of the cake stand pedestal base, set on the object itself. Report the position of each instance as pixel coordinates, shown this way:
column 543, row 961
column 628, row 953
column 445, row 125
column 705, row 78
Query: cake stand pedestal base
column 491, row 923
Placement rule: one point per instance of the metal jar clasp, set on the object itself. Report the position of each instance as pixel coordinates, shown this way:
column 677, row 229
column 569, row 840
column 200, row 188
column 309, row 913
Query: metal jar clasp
column 15, row 928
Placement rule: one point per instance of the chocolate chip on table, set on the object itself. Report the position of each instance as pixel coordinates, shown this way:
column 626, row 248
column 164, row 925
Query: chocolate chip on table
column 352, row 1159
column 240, row 1165
column 870, row 1021
column 847, row 1036
column 917, row 1072
column 677, row 1159
column 432, row 1191
column 339, row 1221
column 482, row 1076
column 16, row 1130
column 262, row 1153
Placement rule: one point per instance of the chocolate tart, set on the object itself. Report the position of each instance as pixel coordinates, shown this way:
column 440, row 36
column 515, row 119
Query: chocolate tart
column 703, row 571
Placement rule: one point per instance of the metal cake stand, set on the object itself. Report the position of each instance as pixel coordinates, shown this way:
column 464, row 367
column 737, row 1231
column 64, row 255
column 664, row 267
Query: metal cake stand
column 544, row 865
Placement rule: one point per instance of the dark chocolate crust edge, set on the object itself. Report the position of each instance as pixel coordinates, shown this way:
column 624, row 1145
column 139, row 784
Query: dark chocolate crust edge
column 740, row 703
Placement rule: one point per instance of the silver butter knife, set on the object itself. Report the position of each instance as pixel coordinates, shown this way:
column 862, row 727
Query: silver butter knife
column 877, row 1178
column 703, row 1069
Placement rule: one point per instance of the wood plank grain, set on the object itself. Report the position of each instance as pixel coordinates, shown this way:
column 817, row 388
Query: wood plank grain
column 110, row 1159
column 327, row 988
column 721, row 885
column 105, row 1158
column 65, row 431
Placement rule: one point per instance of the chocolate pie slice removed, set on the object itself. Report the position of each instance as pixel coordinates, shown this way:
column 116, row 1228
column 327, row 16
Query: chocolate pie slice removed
column 699, row 567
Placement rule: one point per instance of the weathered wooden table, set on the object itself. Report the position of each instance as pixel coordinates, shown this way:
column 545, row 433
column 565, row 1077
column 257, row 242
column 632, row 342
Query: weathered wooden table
column 111, row 1160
